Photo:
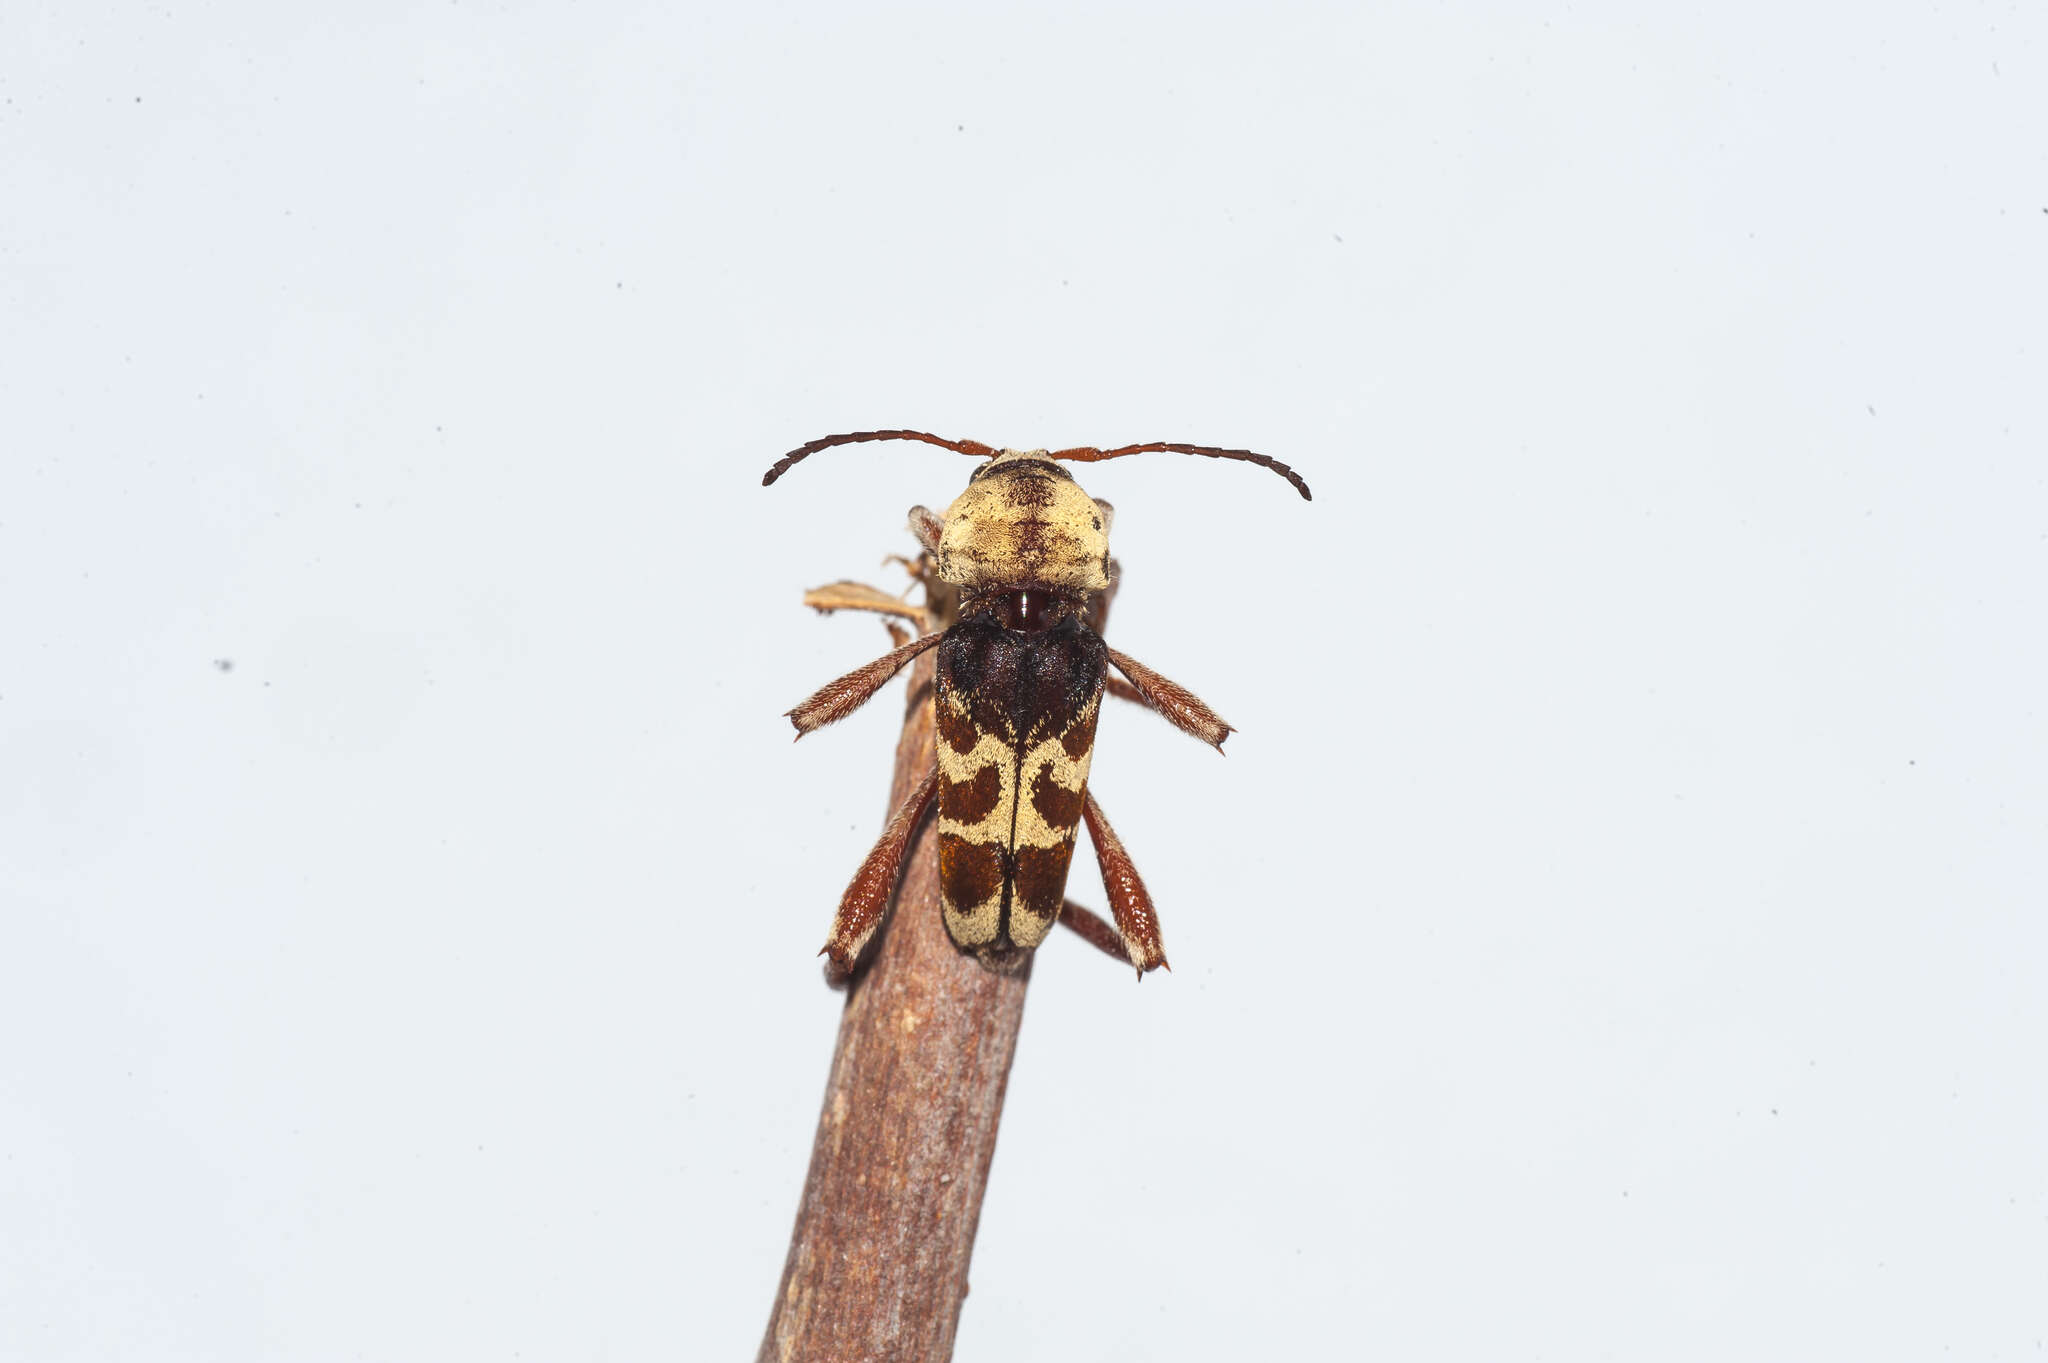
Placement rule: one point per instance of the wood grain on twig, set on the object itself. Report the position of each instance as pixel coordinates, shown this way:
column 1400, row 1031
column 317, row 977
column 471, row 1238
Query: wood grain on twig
column 877, row 1264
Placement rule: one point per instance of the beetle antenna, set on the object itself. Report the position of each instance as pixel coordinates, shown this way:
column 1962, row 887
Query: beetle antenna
column 1087, row 454
column 973, row 447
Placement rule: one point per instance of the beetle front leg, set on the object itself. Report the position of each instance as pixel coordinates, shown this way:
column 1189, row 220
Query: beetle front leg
column 1181, row 707
column 861, row 907
column 1130, row 904
column 838, row 699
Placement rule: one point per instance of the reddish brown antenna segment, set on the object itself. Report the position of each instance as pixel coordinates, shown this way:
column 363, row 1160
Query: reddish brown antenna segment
column 782, row 465
column 1088, row 454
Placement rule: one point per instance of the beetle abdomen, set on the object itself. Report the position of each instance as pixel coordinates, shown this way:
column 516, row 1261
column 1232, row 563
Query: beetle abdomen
column 1016, row 730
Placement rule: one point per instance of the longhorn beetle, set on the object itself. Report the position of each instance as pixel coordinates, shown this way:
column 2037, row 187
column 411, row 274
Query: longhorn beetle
column 1020, row 676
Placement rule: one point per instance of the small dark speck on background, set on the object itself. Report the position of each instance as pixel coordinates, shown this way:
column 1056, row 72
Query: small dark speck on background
column 223, row 664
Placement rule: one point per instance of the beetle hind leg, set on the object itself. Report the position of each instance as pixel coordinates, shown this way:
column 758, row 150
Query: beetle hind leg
column 1137, row 937
column 867, row 897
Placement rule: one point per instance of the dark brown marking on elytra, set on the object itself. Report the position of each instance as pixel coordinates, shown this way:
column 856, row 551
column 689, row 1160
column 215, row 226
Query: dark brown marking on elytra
column 969, row 872
column 1041, row 878
column 956, row 730
column 1058, row 806
column 1079, row 738
column 970, row 802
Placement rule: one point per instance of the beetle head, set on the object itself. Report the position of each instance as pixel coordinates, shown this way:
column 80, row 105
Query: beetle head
column 1023, row 520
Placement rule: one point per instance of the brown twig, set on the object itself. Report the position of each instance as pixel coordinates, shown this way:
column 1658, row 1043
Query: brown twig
column 877, row 1263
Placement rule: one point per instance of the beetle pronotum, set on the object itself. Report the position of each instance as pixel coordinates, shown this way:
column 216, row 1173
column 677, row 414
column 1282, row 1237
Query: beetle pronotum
column 1020, row 675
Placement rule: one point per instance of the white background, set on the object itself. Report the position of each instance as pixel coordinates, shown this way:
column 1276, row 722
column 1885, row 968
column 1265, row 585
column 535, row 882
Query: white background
column 1616, row 931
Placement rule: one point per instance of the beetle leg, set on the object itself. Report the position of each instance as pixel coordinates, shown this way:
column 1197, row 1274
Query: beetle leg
column 1137, row 922
column 861, row 907
column 927, row 525
column 1123, row 690
column 1182, row 708
column 1094, row 931
column 838, row 699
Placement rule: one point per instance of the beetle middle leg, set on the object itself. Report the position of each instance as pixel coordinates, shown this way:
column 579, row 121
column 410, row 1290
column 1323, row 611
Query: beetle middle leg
column 1180, row 707
column 1092, row 929
column 1123, row 690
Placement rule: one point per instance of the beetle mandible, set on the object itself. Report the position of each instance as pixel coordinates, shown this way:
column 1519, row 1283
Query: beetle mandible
column 1018, row 686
